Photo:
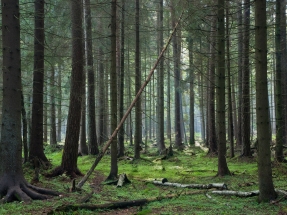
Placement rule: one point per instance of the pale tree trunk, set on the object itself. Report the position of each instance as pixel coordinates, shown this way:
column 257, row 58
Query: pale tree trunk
column 266, row 187
column 220, row 91
column 138, row 111
column 160, row 84
column 245, row 105
column 113, row 91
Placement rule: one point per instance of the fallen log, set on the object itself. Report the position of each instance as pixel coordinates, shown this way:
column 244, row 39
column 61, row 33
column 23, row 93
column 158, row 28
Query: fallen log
column 221, row 186
column 116, row 205
column 236, row 193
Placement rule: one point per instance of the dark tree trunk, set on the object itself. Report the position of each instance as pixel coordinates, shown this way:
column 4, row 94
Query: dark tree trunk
column 92, row 136
column 138, row 111
column 177, row 97
column 70, row 153
column 266, row 187
column 160, row 84
column 220, row 90
column 53, row 139
column 59, row 108
column 101, row 93
column 113, row 91
column 240, row 50
column 121, row 133
column 36, row 149
column 211, row 140
column 191, row 91
column 12, row 182
column 245, row 106
column 230, row 110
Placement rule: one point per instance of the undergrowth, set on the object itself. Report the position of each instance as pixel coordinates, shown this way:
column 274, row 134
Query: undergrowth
column 190, row 166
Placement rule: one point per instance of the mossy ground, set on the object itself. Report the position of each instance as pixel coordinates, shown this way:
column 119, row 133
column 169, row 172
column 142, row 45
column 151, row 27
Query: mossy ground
column 190, row 166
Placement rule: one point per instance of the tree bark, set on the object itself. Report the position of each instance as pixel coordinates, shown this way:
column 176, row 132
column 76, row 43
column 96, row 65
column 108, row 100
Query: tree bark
column 53, row 138
column 266, row 186
column 160, row 84
column 245, row 112
column 36, row 149
column 12, row 182
column 113, row 91
column 220, row 99
column 138, row 110
column 70, row 153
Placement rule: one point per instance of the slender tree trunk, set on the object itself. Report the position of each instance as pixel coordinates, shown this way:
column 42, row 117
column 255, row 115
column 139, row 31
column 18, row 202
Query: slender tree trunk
column 160, row 85
column 220, row 99
column 191, row 91
column 36, row 149
column 266, row 187
column 113, row 90
column 177, row 97
column 121, row 134
column 92, row 135
column 138, row 111
column 59, row 108
column 24, row 129
column 230, row 116
column 245, row 106
column 212, row 143
column 53, row 139
column 240, row 51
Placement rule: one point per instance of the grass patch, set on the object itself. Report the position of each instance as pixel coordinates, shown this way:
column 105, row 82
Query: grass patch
column 189, row 166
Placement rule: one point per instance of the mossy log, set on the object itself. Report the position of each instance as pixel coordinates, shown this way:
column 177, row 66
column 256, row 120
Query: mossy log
column 117, row 205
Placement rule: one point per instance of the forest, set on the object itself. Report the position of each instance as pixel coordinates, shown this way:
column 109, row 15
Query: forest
column 143, row 107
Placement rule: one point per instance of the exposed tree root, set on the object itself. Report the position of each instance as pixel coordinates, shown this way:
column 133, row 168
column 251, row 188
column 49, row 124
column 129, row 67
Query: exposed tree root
column 60, row 171
column 16, row 188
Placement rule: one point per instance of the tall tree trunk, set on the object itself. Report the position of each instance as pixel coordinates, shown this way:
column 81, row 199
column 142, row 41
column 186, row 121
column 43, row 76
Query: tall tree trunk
column 220, row 91
column 53, row 140
column 121, row 134
column 160, row 84
column 245, row 106
column 92, row 136
column 70, row 154
column 36, row 149
column 12, row 182
column 266, row 187
column 24, row 129
column 138, row 111
column 191, row 91
column 59, row 108
column 240, row 51
column 230, row 110
column 212, row 143
column 177, row 97
column 113, row 91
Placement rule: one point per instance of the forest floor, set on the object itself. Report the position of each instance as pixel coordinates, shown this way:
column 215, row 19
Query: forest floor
column 192, row 166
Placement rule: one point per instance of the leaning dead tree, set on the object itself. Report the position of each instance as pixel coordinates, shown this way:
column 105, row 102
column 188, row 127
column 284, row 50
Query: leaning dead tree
column 114, row 134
